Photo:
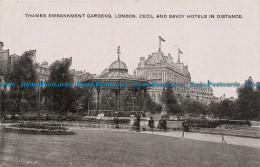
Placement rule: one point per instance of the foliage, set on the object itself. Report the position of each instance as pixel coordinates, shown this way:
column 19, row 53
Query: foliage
column 169, row 100
column 246, row 107
column 42, row 128
column 152, row 106
column 194, row 107
column 248, row 103
column 109, row 101
column 61, row 97
column 226, row 109
column 83, row 98
column 23, row 71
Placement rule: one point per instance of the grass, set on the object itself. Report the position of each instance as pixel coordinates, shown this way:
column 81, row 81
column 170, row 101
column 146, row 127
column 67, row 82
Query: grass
column 114, row 148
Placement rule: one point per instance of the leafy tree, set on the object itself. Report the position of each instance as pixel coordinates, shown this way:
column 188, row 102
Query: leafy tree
column 169, row 100
column 23, row 71
column 258, row 100
column 108, row 101
column 195, row 107
column 62, row 97
column 127, row 100
column 213, row 108
column 226, row 109
column 248, row 106
column 152, row 106
column 186, row 105
column 85, row 97
column 147, row 104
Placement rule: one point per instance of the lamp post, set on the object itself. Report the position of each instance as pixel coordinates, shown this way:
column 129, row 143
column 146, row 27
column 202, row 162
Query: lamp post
column 88, row 99
column 134, row 103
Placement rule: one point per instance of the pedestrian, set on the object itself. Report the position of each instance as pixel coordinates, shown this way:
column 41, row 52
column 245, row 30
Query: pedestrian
column 160, row 124
column 138, row 120
column 116, row 121
column 151, row 123
column 185, row 125
column 164, row 124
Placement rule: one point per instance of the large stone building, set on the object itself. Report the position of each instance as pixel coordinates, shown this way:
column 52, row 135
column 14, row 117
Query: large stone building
column 202, row 94
column 161, row 68
column 4, row 58
column 43, row 73
column 7, row 61
column 79, row 76
column 158, row 67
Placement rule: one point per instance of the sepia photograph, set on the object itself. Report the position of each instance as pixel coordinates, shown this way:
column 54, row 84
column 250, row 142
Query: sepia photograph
column 129, row 83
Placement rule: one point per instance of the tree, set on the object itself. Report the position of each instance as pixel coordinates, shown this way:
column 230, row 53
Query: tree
column 126, row 100
column 213, row 108
column 258, row 100
column 186, row 105
column 152, row 106
column 108, row 101
column 226, row 109
column 62, row 95
column 23, row 71
column 248, row 106
column 169, row 100
column 84, row 96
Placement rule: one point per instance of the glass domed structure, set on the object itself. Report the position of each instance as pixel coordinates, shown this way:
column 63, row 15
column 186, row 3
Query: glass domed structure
column 116, row 74
column 118, row 65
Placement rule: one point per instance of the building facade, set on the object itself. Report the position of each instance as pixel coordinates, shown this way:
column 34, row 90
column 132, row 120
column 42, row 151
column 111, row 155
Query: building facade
column 161, row 68
column 7, row 61
column 4, row 59
column 79, row 76
column 202, row 94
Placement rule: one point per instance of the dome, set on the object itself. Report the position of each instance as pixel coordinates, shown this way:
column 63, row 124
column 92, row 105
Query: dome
column 118, row 65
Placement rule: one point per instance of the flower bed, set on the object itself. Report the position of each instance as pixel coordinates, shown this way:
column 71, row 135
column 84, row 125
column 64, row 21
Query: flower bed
column 39, row 128
column 203, row 123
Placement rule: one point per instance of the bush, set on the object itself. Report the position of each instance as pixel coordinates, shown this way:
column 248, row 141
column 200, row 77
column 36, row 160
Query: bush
column 203, row 123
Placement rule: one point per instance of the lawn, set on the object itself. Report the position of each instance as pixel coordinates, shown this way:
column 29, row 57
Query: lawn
column 115, row 148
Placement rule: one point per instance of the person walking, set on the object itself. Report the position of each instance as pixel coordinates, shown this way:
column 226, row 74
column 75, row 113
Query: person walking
column 185, row 125
column 138, row 120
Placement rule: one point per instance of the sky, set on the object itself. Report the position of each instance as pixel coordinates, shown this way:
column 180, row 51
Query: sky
column 219, row 50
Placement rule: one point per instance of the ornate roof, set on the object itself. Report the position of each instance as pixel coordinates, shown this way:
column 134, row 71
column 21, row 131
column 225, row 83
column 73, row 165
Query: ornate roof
column 118, row 65
column 157, row 57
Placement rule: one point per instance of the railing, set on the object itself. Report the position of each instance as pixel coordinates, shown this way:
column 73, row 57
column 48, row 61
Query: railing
column 111, row 113
column 230, row 132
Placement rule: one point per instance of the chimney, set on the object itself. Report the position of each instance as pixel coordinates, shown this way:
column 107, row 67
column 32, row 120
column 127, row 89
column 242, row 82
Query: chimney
column 142, row 60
